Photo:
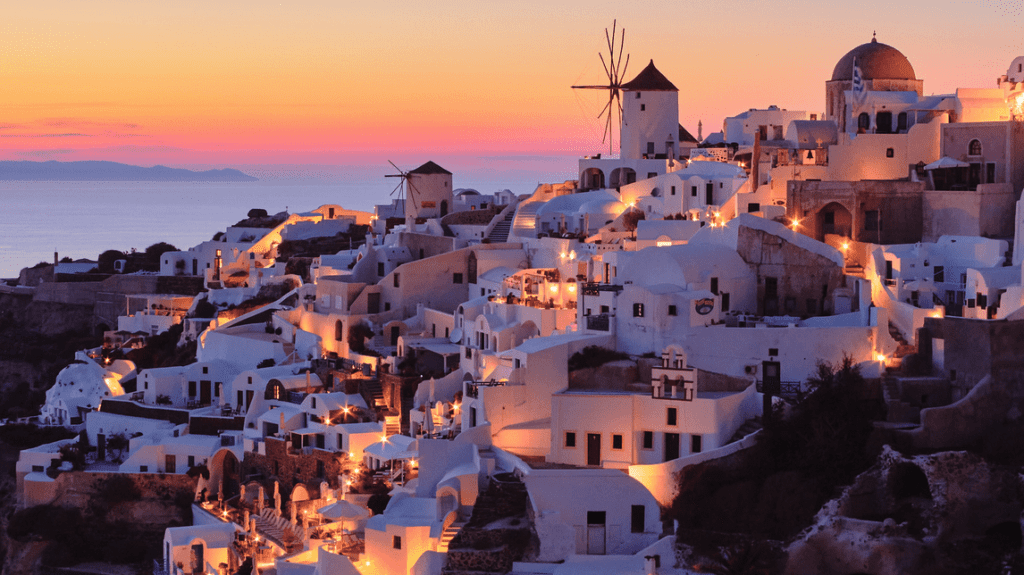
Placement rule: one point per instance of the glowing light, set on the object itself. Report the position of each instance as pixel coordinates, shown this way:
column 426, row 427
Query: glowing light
column 572, row 288
column 665, row 244
column 795, row 224
column 455, row 408
column 352, row 454
column 554, row 288
column 880, row 357
column 572, row 255
column 718, row 214
column 846, row 246
column 562, row 255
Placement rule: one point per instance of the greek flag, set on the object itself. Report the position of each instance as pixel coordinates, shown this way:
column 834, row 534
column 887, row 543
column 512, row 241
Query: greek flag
column 858, row 83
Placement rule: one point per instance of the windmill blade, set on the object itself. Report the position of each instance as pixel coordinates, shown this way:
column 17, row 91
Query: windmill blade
column 396, row 188
column 622, row 45
column 604, row 87
column 607, row 70
column 606, row 106
column 397, row 168
column 624, row 68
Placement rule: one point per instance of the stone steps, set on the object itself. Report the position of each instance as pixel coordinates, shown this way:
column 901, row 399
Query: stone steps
column 749, row 426
column 448, row 534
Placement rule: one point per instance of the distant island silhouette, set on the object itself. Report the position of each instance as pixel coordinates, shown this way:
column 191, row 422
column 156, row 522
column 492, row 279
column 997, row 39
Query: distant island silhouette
column 99, row 171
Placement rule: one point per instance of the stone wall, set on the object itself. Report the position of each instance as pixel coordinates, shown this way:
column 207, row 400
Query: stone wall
column 800, row 274
column 290, row 468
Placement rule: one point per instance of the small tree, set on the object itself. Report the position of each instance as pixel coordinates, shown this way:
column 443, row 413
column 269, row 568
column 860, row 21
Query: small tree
column 357, row 336
column 117, row 444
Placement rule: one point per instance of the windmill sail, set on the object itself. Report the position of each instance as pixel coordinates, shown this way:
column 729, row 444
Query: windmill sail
column 615, row 70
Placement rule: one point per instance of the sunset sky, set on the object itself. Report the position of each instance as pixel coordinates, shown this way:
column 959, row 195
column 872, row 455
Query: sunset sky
column 224, row 83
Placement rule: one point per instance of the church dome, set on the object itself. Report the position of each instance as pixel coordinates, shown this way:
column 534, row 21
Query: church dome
column 876, row 62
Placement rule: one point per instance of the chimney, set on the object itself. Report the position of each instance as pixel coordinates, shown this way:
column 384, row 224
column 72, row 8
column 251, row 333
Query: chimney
column 55, row 257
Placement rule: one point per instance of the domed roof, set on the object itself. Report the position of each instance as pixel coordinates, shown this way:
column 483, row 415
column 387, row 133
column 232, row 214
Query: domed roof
column 876, row 62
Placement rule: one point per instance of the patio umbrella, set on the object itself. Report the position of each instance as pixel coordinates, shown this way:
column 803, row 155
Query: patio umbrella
column 946, row 162
column 342, row 510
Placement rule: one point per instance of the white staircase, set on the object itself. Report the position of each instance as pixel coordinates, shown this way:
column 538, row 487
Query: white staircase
column 448, row 534
column 525, row 222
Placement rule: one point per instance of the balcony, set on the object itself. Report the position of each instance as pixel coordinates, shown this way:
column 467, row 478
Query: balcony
column 598, row 322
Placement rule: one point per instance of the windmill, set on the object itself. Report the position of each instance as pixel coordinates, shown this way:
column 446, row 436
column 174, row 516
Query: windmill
column 405, row 182
column 614, row 86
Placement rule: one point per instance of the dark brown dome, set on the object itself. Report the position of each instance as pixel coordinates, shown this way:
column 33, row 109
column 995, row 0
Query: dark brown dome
column 876, row 62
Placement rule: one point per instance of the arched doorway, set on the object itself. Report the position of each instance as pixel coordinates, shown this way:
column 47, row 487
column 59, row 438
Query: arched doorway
column 834, row 218
column 444, row 208
column 622, row 176
column 863, row 123
column 592, row 178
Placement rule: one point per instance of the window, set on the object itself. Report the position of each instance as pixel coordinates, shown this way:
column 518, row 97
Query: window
column 901, row 122
column 863, row 122
column 396, row 280
column 396, row 542
column 753, row 207
column 725, row 301
column 570, row 439
column 387, row 306
column 672, row 310
column 312, row 402
column 636, row 519
column 695, row 444
column 457, row 278
column 982, row 300
column 191, row 389
column 714, row 286
column 773, row 351
column 673, row 416
column 990, row 173
column 638, row 95
column 638, row 310
column 650, row 147
column 648, row 442
column 605, row 309
column 616, row 441
column 143, row 468
column 38, row 469
column 191, row 461
column 653, row 175
column 643, row 107
column 380, row 269
column 673, row 190
column 206, row 369
column 939, row 274
column 890, row 153
column 871, row 221
column 693, row 191
column 974, row 148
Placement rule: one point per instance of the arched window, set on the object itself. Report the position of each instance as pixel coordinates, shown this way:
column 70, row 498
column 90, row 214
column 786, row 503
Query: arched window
column 339, row 330
column 863, row 122
column 974, row 149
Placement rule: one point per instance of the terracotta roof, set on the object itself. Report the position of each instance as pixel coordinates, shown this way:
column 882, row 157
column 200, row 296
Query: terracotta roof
column 430, row 168
column 685, row 136
column 650, row 79
column 876, row 62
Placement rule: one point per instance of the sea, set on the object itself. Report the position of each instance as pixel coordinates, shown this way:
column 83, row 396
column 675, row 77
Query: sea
column 83, row 219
